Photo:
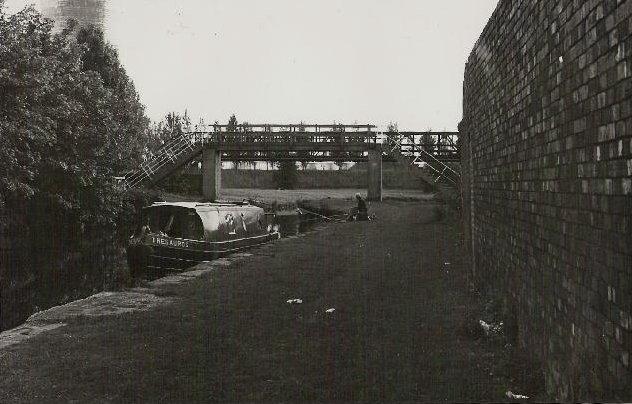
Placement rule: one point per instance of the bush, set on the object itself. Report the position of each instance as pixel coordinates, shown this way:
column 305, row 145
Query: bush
column 285, row 177
column 449, row 203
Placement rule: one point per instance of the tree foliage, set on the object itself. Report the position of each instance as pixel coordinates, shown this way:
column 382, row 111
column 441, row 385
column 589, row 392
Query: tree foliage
column 233, row 127
column 286, row 176
column 232, row 123
column 428, row 141
column 171, row 126
column 70, row 118
column 70, row 122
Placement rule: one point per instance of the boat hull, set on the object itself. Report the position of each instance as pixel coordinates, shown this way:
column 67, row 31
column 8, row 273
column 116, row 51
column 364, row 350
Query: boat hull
column 159, row 253
column 178, row 235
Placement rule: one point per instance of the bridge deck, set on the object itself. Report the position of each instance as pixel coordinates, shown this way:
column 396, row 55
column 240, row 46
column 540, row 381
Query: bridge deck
column 298, row 142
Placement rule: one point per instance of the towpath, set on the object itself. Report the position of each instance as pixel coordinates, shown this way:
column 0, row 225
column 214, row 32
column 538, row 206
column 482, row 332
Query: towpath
column 382, row 317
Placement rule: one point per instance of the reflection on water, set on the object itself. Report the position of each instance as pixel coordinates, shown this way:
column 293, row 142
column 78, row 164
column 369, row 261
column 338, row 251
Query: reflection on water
column 85, row 12
column 292, row 225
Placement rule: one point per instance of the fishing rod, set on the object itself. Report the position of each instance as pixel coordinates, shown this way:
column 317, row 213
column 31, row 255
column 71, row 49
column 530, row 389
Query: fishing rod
column 301, row 210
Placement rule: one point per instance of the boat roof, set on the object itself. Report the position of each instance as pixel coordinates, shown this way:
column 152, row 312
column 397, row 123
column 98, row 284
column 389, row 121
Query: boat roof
column 197, row 205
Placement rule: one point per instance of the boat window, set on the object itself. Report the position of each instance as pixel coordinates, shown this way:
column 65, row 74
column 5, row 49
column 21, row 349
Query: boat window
column 175, row 222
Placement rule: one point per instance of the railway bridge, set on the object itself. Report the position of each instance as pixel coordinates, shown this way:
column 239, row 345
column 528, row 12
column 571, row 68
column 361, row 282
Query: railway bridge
column 297, row 142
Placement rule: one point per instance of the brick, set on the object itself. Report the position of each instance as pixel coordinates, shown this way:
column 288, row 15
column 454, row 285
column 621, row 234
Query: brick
column 626, row 185
column 551, row 160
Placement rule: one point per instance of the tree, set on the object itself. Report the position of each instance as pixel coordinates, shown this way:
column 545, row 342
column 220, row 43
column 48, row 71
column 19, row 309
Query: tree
column 171, row 126
column 285, row 177
column 393, row 138
column 232, row 127
column 70, row 121
column 338, row 156
column 124, row 119
column 427, row 142
column 443, row 143
column 232, row 124
column 303, row 155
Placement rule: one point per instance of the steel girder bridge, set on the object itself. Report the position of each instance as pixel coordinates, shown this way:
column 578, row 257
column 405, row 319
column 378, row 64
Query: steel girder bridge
column 296, row 142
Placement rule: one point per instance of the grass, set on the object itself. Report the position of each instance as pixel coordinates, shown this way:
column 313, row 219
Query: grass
column 400, row 291
column 286, row 196
column 277, row 200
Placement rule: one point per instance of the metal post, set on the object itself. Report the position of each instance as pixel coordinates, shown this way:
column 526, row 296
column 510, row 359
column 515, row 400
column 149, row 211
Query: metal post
column 374, row 174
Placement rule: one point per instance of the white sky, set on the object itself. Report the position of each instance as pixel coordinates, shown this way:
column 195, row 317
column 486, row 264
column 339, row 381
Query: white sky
column 278, row 61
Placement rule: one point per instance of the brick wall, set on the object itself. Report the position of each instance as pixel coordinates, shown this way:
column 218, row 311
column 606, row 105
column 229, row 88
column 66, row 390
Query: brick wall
column 547, row 184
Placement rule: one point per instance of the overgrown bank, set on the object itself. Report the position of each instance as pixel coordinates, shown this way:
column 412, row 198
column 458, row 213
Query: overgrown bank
column 70, row 122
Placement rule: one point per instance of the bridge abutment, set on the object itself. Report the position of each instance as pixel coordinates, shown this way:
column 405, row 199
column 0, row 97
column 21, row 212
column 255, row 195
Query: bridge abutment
column 374, row 173
column 211, row 173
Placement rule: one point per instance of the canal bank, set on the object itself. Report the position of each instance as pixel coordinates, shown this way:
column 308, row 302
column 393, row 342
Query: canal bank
column 353, row 311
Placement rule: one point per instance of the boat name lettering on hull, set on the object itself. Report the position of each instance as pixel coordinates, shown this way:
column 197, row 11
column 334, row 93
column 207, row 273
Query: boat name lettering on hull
column 170, row 243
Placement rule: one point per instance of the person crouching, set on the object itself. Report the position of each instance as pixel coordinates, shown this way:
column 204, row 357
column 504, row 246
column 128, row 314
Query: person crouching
column 359, row 212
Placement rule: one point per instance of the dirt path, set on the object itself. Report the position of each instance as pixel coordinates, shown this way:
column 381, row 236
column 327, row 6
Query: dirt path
column 396, row 332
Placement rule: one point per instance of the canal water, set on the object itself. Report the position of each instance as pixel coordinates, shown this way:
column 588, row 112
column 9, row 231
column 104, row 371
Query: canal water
column 294, row 224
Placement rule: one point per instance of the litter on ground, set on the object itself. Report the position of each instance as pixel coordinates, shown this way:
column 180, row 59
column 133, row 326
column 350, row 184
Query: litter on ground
column 513, row 396
column 330, row 310
column 491, row 328
column 295, row 301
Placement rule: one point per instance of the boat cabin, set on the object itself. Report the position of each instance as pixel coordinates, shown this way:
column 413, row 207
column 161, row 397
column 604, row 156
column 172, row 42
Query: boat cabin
column 177, row 235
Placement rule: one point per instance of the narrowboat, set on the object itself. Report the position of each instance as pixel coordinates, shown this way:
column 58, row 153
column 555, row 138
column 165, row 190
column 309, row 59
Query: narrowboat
column 178, row 235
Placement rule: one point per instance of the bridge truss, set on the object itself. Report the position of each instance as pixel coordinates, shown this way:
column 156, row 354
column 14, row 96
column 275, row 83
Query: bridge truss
column 297, row 142
column 438, row 151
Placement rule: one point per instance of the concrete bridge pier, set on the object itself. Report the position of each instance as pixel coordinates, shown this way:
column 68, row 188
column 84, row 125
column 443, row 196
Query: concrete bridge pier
column 374, row 173
column 211, row 173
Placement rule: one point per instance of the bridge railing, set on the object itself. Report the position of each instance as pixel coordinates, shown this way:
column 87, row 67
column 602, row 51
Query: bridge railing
column 435, row 151
column 439, row 144
column 169, row 153
column 318, row 142
column 299, row 127
column 220, row 138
